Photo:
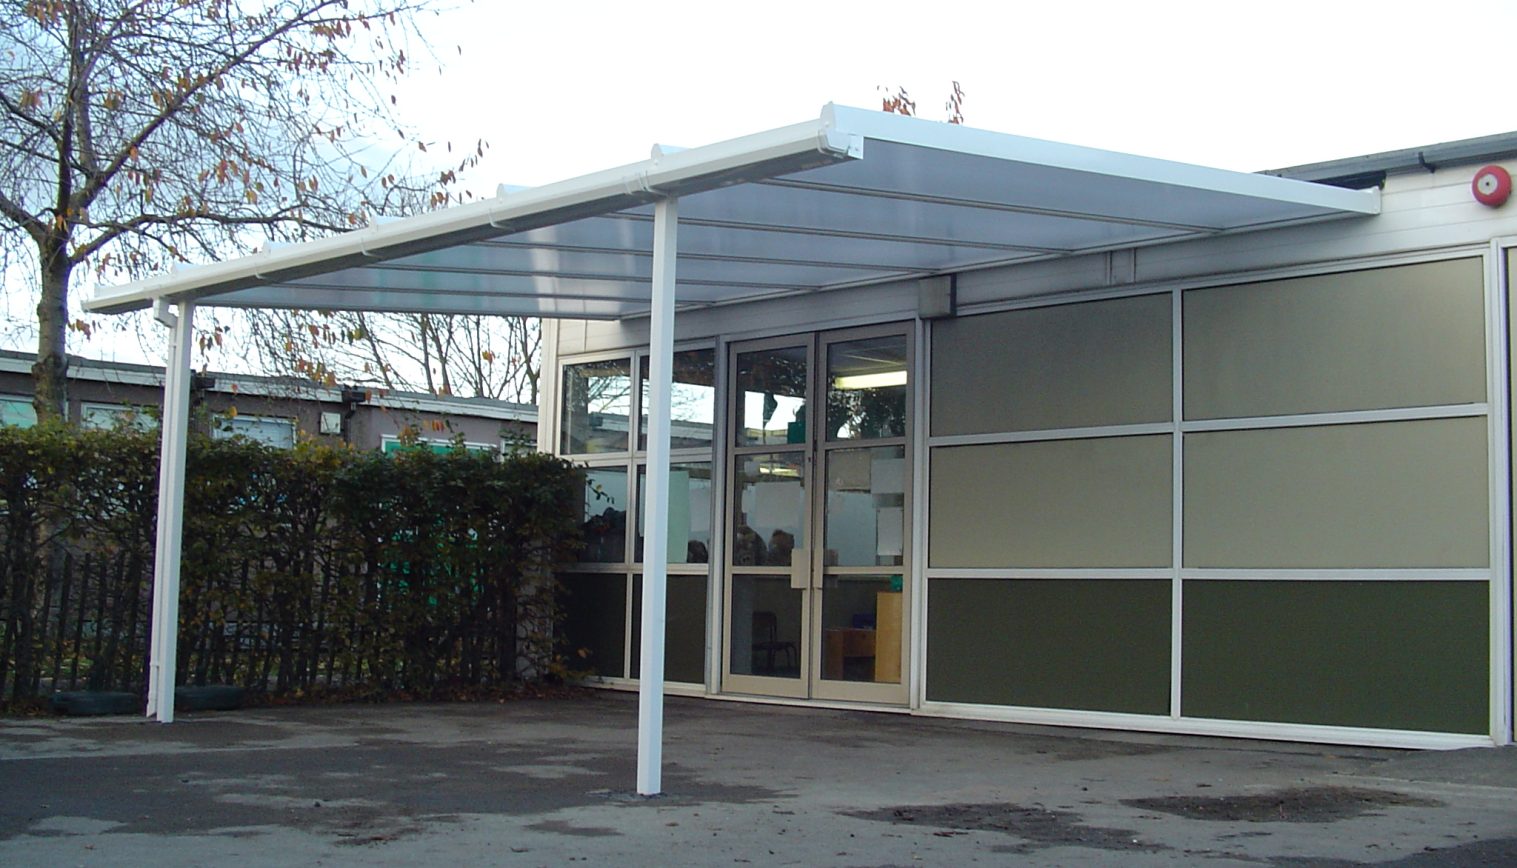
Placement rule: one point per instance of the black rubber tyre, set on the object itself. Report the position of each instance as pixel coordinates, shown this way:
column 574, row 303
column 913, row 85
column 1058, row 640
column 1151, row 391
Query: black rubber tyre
column 87, row 703
column 210, row 697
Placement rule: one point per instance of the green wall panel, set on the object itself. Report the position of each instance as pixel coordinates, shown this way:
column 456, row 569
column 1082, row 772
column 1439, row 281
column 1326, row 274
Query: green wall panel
column 1395, row 655
column 1408, row 336
column 594, row 607
column 1089, row 503
column 1100, row 645
column 1062, row 366
column 1387, row 494
column 684, row 631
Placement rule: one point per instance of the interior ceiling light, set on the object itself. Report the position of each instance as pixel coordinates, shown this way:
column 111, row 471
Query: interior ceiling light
column 880, row 380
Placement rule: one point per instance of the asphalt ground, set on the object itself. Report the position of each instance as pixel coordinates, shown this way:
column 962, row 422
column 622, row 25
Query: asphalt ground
column 549, row 782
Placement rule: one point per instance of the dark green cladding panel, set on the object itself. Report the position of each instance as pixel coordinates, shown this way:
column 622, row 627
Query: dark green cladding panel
column 1392, row 654
column 1100, row 645
column 684, row 631
column 594, row 608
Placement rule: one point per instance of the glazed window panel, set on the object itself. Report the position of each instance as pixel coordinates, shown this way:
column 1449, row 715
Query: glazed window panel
column 1408, row 336
column 1387, row 494
column 604, row 515
column 865, row 521
column 597, row 407
column 692, row 400
column 684, row 628
column 1099, row 645
column 689, row 538
column 17, row 411
column 594, row 628
column 771, row 397
column 1396, row 655
column 866, row 388
column 1065, row 366
column 768, row 509
column 1094, row 503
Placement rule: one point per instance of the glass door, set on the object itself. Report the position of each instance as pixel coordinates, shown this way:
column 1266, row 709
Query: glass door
column 817, row 537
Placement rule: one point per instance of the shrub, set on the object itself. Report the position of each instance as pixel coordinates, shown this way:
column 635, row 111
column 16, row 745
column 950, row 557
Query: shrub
column 319, row 567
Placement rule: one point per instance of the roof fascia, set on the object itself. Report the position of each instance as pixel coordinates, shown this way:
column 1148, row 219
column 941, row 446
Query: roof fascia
column 1004, row 146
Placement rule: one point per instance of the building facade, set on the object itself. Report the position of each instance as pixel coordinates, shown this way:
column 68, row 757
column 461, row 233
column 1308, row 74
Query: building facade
column 272, row 410
column 1252, row 485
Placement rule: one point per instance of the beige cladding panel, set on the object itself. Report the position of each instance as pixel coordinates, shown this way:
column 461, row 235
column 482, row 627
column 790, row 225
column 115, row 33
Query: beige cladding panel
column 1408, row 336
column 1065, row 366
column 1383, row 495
column 1063, row 503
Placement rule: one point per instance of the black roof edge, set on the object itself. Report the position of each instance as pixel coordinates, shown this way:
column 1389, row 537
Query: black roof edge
column 1371, row 170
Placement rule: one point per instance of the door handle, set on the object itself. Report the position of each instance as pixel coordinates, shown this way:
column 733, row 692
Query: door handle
column 800, row 569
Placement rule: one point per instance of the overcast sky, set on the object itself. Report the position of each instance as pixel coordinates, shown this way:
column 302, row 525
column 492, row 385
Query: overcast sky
column 561, row 89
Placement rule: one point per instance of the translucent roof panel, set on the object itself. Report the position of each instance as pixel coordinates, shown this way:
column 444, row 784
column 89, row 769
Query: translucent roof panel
column 852, row 198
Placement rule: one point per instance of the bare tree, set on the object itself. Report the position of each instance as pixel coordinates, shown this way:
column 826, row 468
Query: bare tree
column 469, row 356
column 897, row 101
column 139, row 133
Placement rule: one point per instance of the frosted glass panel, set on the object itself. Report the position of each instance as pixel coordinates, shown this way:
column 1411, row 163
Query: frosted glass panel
column 769, row 512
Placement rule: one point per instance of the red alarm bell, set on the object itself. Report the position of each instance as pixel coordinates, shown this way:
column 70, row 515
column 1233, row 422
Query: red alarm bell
column 1492, row 186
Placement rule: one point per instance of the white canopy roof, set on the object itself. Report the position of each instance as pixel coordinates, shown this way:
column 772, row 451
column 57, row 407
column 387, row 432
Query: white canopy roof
column 854, row 197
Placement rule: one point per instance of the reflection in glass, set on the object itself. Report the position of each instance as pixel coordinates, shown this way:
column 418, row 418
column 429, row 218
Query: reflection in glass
column 765, row 627
column 594, row 626
column 866, row 388
column 769, row 509
column 692, row 400
column 861, row 629
column 684, row 629
column 597, row 407
column 605, row 515
column 866, row 507
column 689, row 512
column 771, row 397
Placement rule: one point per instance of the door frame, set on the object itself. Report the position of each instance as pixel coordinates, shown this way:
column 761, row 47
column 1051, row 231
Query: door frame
column 813, row 572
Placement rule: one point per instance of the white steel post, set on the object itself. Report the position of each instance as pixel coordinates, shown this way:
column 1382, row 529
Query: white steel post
column 650, row 691
column 171, row 458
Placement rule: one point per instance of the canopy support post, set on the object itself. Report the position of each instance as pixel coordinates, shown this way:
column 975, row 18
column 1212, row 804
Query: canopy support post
column 650, row 691
column 174, row 431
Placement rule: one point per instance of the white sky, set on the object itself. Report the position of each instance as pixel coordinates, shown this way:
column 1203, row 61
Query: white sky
column 563, row 88
column 560, row 89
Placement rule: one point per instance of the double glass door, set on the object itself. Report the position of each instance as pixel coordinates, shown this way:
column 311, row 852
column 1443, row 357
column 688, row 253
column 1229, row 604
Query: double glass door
column 817, row 537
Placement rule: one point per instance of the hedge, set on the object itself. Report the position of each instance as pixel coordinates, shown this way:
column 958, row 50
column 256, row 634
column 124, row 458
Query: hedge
column 318, row 567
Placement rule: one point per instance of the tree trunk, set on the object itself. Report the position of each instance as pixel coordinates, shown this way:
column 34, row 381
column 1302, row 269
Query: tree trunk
column 50, row 373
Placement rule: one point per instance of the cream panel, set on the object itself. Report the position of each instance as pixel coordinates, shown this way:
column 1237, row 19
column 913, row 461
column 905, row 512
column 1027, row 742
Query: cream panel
column 1094, row 503
column 1389, row 494
column 1065, row 366
column 1409, row 336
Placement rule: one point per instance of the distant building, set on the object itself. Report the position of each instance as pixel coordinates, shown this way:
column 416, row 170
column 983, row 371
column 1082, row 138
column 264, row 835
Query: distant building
column 273, row 410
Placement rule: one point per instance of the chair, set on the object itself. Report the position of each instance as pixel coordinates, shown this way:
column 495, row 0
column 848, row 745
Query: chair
column 766, row 641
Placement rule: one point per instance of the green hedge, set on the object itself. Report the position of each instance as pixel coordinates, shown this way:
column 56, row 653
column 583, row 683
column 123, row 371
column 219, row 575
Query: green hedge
column 313, row 568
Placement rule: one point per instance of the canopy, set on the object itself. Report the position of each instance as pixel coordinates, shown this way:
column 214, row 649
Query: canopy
column 853, row 197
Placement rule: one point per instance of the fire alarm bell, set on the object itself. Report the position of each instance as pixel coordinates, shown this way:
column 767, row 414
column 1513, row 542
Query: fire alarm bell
column 1492, row 186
